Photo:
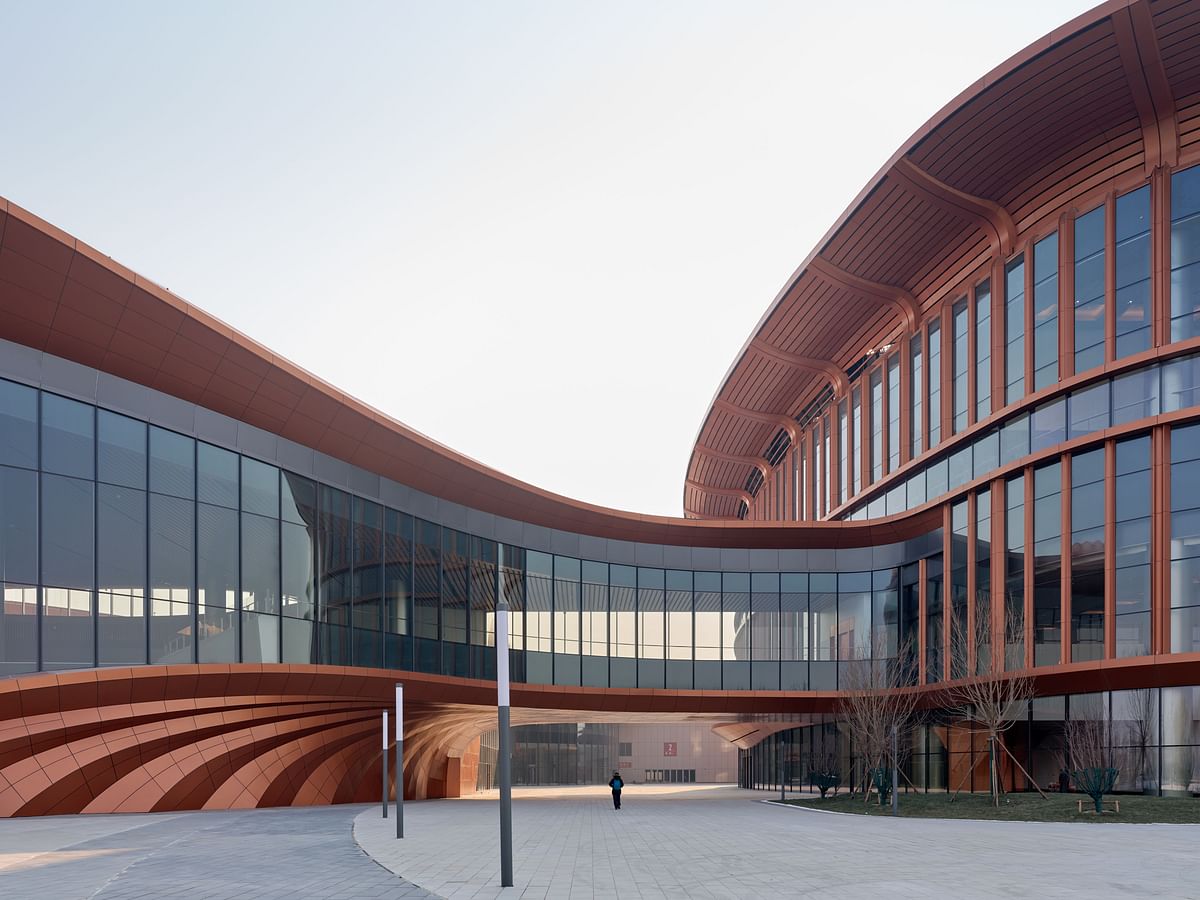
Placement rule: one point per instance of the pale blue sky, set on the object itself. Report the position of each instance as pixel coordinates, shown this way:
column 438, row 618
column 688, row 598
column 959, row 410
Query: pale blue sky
column 538, row 232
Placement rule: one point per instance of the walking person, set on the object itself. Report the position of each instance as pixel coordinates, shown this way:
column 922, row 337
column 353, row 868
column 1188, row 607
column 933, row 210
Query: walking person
column 616, row 784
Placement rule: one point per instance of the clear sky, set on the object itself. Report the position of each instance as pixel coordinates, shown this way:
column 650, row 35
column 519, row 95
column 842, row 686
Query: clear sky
column 538, row 232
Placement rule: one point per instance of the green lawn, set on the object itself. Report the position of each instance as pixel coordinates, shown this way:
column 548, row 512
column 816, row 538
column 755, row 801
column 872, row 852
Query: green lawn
column 1019, row 808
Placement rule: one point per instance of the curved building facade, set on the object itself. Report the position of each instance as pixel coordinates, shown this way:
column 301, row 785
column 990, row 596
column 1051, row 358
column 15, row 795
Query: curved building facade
column 976, row 403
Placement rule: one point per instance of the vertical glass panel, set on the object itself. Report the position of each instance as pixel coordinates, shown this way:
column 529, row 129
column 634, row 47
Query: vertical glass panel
column 622, row 625
column 679, row 614
column 960, row 468
column 1185, row 539
column 121, row 573
column 217, row 583
column 427, row 562
column 935, row 636
column 1047, row 565
column 1014, row 330
column 1088, row 410
column 67, row 628
column 843, row 453
column 260, row 637
column 935, row 384
column 983, row 631
column 916, row 435
column 260, row 564
column 885, row 613
column 983, row 351
column 823, row 614
column 368, row 569
column 910, row 617
column 827, row 482
column 18, row 627
column 18, row 429
column 1049, row 425
column 893, row 376
column 1089, row 290
column 216, row 476
column 856, row 427
column 1087, row 555
column 18, row 527
column 594, row 622
column 1045, row 312
column 1135, row 396
column 397, row 585
column 1180, row 383
column 960, row 318
column 1014, row 439
column 172, row 571
column 986, row 456
column 959, row 650
column 876, row 426
column 67, row 533
column 764, row 631
column 1014, row 574
column 651, row 628
column 483, row 608
column 299, row 500
column 566, row 620
column 1185, row 254
column 121, row 450
column 937, row 479
column 735, row 630
column 1133, row 272
column 456, row 560
column 334, row 541
column 793, row 631
column 68, row 429
column 708, row 630
column 172, row 463
column 512, row 586
column 260, row 487
column 298, row 553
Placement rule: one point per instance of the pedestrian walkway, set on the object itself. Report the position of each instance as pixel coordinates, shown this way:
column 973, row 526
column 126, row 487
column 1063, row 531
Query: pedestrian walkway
column 699, row 841
column 266, row 854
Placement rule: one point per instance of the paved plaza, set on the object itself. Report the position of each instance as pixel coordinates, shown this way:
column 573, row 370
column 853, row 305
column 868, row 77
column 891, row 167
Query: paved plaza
column 710, row 842
column 685, row 841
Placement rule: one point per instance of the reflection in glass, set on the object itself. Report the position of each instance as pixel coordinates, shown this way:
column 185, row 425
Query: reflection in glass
column 68, row 430
column 1132, row 550
column 172, row 560
column 1087, row 555
column 1133, row 272
column 1014, row 330
column 121, row 573
column 1185, row 254
column 120, row 450
column 1047, row 565
column 1089, row 290
column 18, row 426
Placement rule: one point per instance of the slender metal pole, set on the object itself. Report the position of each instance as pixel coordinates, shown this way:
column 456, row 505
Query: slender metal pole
column 504, row 762
column 399, row 760
column 384, row 757
column 779, row 752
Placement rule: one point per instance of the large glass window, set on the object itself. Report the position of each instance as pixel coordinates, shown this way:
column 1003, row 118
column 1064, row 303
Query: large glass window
column 1047, row 565
column 594, row 623
column 735, row 631
column 826, row 455
column 539, row 611
column 822, row 613
column 67, row 533
column 679, row 630
column 916, row 435
column 1087, row 555
column 1132, row 550
column 934, row 609
column 876, row 426
column 708, row 630
column 1133, row 272
column 172, row 568
column 121, row 573
column 1014, row 574
column 793, row 631
column 482, row 626
column 960, row 318
column 1185, row 254
column 983, row 351
column 960, row 638
column 1045, row 312
column 622, row 625
column 260, row 488
column 18, row 570
column 216, row 476
column 397, row 587
column 260, row 589
column 427, row 563
column 843, row 453
column 121, row 450
column 18, row 425
column 1185, row 539
column 1089, row 290
column 68, row 430
column 893, row 404
column 935, row 383
column 456, row 561
column 566, row 620
column 172, row 464
column 764, row 631
column 1014, row 330
column 981, row 635
column 217, row 583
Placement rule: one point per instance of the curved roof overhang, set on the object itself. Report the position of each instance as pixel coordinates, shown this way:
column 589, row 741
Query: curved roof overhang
column 60, row 296
column 1115, row 91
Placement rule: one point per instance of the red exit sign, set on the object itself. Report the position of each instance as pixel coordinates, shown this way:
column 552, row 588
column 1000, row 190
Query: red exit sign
column 671, row 749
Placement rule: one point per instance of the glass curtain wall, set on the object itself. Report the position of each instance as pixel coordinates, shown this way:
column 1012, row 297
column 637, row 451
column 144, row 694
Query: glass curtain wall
column 1014, row 330
column 983, row 351
column 1185, row 539
column 916, row 436
column 1014, row 574
column 1132, row 546
column 1047, row 565
column 1087, row 555
column 893, row 404
column 1045, row 312
column 1185, row 254
column 960, row 319
column 1090, row 319
column 1133, row 273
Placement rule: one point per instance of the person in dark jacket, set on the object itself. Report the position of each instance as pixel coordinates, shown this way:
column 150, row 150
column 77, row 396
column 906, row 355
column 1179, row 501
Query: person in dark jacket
column 616, row 784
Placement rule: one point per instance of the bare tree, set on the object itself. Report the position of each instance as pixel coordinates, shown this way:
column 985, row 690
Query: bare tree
column 990, row 701
column 1134, row 730
column 878, row 706
column 1088, row 756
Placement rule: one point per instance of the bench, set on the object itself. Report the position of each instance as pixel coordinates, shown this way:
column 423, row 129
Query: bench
column 1115, row 805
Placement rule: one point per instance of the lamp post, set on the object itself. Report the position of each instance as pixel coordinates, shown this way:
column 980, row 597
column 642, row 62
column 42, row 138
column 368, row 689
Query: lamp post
column 385, row 762
column 504, row 763
column 399, row 760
